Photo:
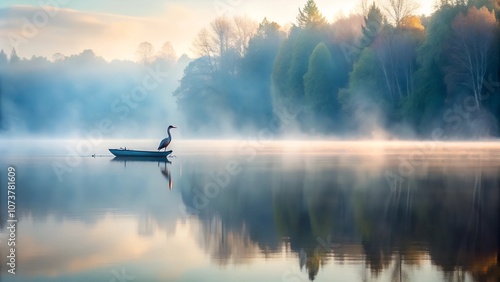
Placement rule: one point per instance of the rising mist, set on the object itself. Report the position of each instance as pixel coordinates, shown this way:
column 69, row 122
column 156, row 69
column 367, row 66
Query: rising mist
column 370, row 76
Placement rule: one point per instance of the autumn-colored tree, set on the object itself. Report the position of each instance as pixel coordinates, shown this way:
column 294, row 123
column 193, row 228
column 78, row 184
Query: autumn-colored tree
column 412, row 22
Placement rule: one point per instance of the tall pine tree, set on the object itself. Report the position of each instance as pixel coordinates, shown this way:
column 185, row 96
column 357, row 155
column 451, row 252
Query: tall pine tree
column 374, row 22
column 310, row 16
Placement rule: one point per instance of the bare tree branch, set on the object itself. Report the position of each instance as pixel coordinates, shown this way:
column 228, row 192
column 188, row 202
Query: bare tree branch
column 397, row 10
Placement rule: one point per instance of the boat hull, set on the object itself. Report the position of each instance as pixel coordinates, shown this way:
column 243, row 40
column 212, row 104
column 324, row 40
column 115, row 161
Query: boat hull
column 124, row 153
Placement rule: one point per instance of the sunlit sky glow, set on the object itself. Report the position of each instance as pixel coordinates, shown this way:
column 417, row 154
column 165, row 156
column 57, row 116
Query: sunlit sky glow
column 114, row 28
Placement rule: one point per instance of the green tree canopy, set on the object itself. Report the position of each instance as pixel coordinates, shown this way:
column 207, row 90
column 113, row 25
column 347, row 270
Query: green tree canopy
column 319, row 85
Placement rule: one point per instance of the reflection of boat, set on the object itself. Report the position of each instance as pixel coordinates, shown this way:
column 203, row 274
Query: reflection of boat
column 140, row 159
column 121, row 153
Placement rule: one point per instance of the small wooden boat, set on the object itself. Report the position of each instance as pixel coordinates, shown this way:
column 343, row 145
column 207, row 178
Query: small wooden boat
column 126, row 153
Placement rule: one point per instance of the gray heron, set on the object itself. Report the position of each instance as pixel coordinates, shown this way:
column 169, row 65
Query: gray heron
column 165, row 142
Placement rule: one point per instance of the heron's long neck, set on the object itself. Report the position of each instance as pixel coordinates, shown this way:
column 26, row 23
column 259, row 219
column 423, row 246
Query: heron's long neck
column 169, row 136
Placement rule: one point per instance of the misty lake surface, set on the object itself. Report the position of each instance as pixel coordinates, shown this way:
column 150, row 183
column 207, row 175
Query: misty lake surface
column 249, row 211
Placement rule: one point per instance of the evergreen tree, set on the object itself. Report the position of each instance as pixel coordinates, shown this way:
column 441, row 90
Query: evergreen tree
column 320, row 88
column 280, row 88
column 374, row 21
column 303, row 48
column 14, row 59
column 310, row 16
column 3, row 58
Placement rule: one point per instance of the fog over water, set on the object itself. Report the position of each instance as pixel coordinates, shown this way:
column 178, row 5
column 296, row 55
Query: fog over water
column 225, row 210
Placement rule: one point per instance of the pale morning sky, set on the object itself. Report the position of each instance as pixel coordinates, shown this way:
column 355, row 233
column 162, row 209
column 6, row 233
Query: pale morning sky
column 114, row 28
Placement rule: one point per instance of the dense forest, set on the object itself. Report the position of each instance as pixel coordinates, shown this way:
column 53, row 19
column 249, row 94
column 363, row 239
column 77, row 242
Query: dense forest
column 384, row 72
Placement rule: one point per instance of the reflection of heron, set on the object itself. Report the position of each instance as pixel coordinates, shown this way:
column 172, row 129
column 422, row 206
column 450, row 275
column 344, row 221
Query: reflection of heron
column 164, row 170
column 124, row 160
column 165, row 142
column 167, row 175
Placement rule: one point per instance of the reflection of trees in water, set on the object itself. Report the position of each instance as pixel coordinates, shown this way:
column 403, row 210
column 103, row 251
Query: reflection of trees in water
column 146, row 224
column 227, row 246
column 447, row 215
column 466, row 224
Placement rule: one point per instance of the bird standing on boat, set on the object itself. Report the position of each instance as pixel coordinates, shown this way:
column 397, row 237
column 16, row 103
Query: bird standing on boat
column 165, row 142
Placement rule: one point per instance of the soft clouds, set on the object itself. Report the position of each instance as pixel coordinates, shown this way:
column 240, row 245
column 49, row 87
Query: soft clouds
column 109, row 35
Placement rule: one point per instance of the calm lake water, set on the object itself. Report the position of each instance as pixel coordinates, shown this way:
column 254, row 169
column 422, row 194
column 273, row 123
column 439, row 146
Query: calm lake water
column 243, row 211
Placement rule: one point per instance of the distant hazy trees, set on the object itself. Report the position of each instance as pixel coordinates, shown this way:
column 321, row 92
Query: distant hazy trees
column 3, row 58
column 165, row 56
column 57, row 57
column 167, row 52
column 14, row 58
column 72, row 94
column 224, row 41
column 145, row 53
